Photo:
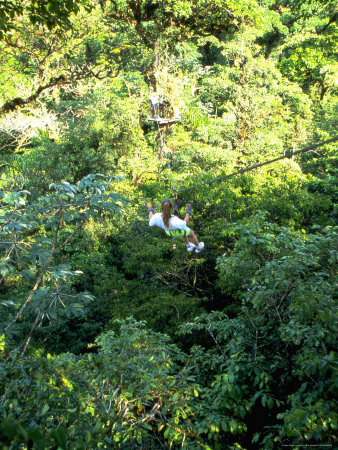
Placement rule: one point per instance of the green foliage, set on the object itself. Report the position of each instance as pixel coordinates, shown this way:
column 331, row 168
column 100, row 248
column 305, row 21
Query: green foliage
column 286, row 283
column 309, row 51
column 51, row 14
column 30, row 244
column 103, row 398
column 177, row 20
column 110, row 338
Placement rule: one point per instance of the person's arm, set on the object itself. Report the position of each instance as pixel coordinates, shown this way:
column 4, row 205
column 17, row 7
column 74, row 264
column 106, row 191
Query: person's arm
column 187, row 212
column 150, row 210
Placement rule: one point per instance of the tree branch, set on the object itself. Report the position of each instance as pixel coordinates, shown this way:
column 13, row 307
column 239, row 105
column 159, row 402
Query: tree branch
column 11, row 105
column 40, row 278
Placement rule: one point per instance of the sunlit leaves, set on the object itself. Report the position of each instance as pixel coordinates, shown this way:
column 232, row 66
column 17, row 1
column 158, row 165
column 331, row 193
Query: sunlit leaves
column 265, row 355
column 51, row 13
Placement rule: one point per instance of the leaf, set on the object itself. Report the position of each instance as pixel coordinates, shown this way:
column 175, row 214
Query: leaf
column 53, row 315
column 60, row 437
column 6, row 267
column 2, row 342
column 7, row 303
column 44, row 410
column 35, row 435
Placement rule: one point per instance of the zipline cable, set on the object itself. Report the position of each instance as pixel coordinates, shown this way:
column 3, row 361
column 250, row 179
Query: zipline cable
column 166, row 157
column 287, row 155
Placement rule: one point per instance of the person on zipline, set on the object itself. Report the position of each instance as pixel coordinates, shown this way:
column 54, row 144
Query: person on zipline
column 174, row 226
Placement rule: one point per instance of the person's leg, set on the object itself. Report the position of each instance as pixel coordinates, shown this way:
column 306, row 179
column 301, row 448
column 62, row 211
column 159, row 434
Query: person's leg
column 193, row 238
column 190, row 245
column 184, row 236
column 199, row 246
column 191, row 235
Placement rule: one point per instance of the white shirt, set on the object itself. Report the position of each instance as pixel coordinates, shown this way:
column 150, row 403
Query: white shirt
column 175, row 223
column 154, row 99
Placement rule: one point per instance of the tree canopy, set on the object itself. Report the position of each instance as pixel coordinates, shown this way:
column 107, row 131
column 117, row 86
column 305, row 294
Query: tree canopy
column 109, row 336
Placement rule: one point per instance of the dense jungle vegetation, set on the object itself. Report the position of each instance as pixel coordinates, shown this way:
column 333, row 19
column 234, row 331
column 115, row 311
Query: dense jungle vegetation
column 109, row 338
